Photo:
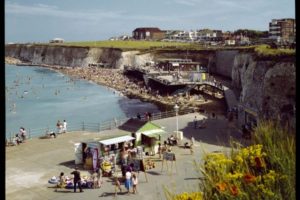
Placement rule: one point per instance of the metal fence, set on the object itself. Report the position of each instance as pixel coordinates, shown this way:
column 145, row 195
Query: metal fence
column 100, row 126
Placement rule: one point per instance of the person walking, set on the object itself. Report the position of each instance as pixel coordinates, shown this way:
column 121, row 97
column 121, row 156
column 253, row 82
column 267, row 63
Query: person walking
column 77, row 179
column 128, row 181
column 195, row 122
column 117, row 185
column 65, row 126
column 134, row 183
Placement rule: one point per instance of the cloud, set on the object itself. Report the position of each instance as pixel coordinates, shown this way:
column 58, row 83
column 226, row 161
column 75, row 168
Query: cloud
column 186, row 2
column 53, row 11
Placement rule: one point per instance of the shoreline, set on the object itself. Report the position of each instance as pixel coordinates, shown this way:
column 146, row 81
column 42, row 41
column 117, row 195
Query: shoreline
column 115, row 80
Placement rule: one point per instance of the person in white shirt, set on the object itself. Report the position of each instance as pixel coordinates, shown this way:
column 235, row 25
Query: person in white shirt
column 65, row 126
column 128, row 181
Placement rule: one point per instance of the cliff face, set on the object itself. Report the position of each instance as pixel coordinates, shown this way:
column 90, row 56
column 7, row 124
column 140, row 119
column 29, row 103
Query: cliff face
column 267, row 87
column 74, row 56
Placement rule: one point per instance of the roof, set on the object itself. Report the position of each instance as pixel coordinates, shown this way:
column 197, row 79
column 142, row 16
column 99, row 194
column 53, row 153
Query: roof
column 57, row 39
column 152, row 29
column 154, row 133
column 117, row 140
column 136, row 125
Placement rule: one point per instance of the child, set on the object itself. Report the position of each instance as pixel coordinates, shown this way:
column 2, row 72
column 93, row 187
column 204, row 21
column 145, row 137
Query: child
column 134, row 182
column 117, row 185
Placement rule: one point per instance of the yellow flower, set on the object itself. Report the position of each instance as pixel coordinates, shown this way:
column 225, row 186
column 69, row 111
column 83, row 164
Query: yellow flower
column 233, row 176
column 189, row 196
column 221, row 186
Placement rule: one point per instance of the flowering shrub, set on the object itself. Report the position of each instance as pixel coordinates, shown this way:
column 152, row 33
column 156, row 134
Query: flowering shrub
column 188, row 196
column 264, row 170
column 253, row 172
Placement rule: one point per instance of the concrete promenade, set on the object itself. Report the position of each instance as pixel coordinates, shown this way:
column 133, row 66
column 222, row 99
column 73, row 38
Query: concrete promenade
column 29, row 166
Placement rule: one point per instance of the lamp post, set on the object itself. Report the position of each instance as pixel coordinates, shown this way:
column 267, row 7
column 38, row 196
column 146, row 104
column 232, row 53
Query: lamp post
column 176, row 108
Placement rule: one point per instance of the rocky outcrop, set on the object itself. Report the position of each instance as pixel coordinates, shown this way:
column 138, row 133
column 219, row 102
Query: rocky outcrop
column 266, row 86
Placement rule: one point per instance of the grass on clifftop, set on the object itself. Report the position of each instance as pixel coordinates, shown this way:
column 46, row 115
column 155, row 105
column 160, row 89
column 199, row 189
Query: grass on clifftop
column 139, row 45
column 267, row 51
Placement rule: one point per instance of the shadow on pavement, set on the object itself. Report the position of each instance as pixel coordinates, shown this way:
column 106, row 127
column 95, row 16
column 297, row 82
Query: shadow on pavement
column 153, row 173
column 70, row 164
column 216, row 132
column 106, row 194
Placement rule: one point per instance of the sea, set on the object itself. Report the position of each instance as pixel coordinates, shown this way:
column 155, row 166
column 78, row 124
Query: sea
column 37, row 97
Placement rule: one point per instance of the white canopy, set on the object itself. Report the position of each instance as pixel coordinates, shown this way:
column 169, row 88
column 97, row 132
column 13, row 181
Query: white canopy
column 154, row 131
column 117, row 140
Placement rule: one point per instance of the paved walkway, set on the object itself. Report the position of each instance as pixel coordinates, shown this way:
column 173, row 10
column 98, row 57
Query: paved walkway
column 29, row 166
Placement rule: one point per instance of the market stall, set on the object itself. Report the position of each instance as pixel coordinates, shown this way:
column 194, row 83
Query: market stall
column 104, row 154
column 146, row 133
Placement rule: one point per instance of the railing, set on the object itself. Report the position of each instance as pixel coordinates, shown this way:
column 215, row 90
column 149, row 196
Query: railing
column 101, row 126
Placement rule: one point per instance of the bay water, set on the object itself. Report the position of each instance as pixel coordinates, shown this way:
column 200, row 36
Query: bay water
column 37, row 97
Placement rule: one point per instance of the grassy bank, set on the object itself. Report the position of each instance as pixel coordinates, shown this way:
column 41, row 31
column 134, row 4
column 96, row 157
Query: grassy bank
column 266, row 52
column 138, row 45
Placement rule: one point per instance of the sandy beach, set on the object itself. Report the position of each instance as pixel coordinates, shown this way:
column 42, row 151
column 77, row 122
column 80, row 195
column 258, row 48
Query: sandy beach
column 114, row 78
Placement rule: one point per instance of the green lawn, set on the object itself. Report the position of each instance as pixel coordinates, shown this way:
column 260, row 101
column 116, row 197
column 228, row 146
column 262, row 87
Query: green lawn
column 265, row 50
column 139, row 45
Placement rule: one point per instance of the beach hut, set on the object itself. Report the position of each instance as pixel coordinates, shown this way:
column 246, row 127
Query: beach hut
column 146, row 133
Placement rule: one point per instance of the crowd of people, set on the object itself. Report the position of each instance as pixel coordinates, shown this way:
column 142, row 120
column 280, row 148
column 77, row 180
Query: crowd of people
column 114, row 78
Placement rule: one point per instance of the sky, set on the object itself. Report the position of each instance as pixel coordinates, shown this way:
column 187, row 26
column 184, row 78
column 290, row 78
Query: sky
column 93, row 20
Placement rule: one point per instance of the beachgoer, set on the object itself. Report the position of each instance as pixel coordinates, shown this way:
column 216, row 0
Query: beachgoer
column 192, row 148
column 65, row 126
column 195, row 122
column 62, row 181
column 159, row 149
column 77, row 179
column 149, row 116
column 23, row 134
column 134, row 183
column 128, row 181
column 117, row 185
column 58, row 126
column 138, row 116
column 16, row 140
column 192, row 140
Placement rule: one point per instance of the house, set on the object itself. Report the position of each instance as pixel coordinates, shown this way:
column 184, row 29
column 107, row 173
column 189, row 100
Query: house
column 282, row 30
column 146, row 133
column 229, row 41
column 56, row 40
column 148, row 33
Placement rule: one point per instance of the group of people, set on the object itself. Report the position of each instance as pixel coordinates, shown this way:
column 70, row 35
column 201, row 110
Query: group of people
column 199, row 123
column 131, row 181
column 172, row 140
column 147, row 116
column 61, row 126
column 95, row 179
column 20, row 137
